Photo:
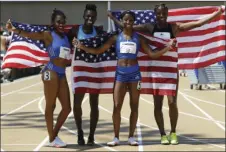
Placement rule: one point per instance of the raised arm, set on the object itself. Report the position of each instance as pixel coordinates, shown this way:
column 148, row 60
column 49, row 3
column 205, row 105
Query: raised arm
column 98, row 50
column 43, row 36
column 190, row 25
column 119, row 23
column 157, row 53
column 148, row 27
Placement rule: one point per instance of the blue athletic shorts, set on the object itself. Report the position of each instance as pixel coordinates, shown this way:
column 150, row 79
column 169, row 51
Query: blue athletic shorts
column 59, row 70
column 128, row 74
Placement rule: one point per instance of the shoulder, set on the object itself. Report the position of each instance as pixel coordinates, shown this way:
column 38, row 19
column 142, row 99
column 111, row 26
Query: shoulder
column 47, row 36
column 74, row 30
column 99, row 30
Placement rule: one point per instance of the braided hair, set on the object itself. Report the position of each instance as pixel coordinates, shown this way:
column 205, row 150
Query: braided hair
column 161, row 5
column 55, row 13
column 91, row 7
column 128, row 12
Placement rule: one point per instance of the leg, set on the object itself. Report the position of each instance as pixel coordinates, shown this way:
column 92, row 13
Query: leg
column 78, row 116
column 94, row 115
column 64, row 97
column 120, row 89
column 78, row 110
column 134, row 104
column 173, row 114
column 173, row 110
column 158, row 102
column 50, row 90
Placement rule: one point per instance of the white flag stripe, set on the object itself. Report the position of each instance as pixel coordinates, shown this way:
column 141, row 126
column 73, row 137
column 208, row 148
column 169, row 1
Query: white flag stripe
column 158, row 63
column 210, row 25
column 165, row 86
column 28, row 63
column 14, row 52
column 29, row 45
column 170, row 54
column 110, row 85
column 94, row 74
column 200, row 38
column 159, row 75
column 186, row 17
column 112, row 74
column 98, row 64
column 202, row 59
column 202, row 48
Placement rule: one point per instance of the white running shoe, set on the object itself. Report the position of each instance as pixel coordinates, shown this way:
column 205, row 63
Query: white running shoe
column 58, row 143
column 132, row 141
column 115, row 142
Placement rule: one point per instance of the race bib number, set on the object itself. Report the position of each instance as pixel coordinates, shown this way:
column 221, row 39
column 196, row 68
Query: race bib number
column 139, row 85
column 128, row 47
column 64, row 53
column 162, row 35
column 47, row 75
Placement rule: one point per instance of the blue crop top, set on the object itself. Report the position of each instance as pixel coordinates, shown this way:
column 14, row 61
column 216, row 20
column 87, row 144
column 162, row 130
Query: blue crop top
column 81, row 35
column 59, row 47
column 127, row 49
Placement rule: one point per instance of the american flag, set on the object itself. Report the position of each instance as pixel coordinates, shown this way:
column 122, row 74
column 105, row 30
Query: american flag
column 159, row 76
column 199, row 47
column 96, row 73
column 24, row 52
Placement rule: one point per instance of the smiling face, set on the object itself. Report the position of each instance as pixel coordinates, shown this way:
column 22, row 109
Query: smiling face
column 161, row 14
column 90, row 17
column 128, row 21
column 59, row 23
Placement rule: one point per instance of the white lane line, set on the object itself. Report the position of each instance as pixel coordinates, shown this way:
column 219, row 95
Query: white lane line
column 30, row 92
column 2, row 149
column 184, row 113
column 18, row 144
column 139, row 136
column 189, row 138
column 41, row 144
column 20, row 80
column 220, row 105
column 202, row 111
column 5, row 94
column 71, row 131
column 20, row 107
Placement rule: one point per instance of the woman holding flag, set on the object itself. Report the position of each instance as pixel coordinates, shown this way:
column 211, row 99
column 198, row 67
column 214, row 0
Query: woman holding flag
column 85, row 31
column 53, row 75
column 165, row 30
column 128, row 76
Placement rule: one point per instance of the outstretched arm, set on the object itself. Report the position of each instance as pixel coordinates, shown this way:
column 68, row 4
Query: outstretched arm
column 191, row 25
column 148, row 27
column 99, row 50
column 157, row 53
column 44, row 36
column 116, row 21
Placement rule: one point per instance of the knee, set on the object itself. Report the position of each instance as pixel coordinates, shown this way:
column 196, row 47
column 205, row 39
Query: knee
column 94, row 109
column 172, row 104
column 77, row 106
column 134, row 108
column 117, row 110
column 158, row 108
column 50, row 107
column 67, row 109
